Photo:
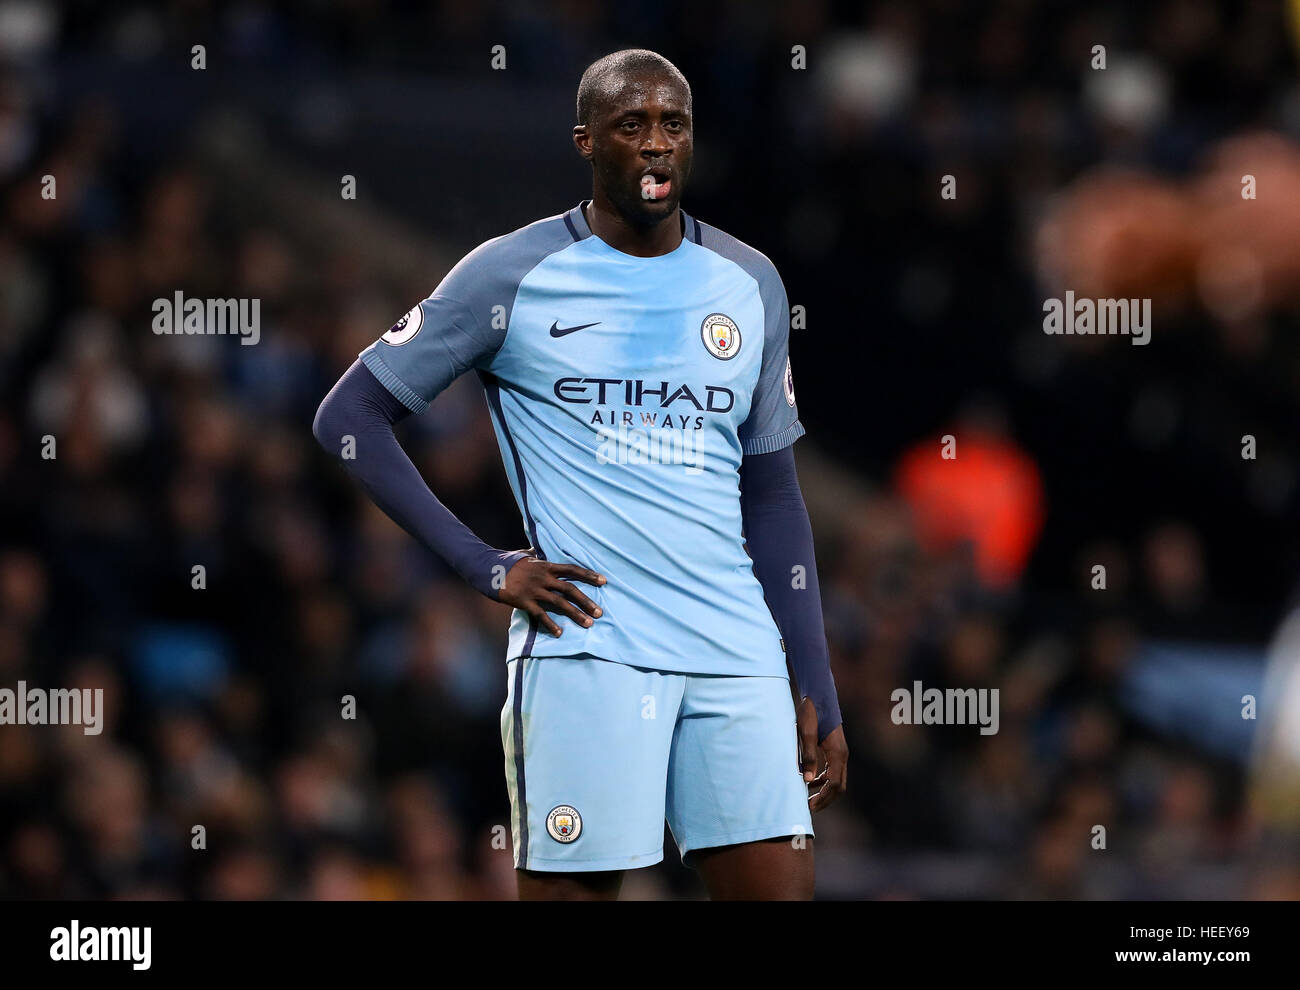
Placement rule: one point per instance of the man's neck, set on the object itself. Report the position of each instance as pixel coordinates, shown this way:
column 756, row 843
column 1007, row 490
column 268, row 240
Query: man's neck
column 641, row 242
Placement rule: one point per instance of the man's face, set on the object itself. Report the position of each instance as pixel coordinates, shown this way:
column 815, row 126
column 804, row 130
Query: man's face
column 640, row 144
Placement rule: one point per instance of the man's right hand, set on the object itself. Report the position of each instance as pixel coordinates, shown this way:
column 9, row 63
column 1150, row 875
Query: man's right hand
column 539, row 586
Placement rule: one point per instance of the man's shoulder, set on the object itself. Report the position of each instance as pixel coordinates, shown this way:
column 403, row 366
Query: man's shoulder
column 753, row 261
column 509, row 257
column 534, row 240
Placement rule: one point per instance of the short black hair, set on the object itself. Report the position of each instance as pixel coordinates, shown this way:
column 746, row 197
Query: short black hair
column 604, row 73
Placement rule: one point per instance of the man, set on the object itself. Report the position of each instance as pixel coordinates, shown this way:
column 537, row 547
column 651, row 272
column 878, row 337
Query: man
column 636, row 370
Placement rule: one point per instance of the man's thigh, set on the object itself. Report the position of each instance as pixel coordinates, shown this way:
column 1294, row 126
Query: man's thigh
column 734, row 778
column 779, row 869
column 537, row 886
column 586, row 745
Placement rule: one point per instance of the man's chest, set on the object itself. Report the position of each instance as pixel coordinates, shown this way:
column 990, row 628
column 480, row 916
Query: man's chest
column 674, row 338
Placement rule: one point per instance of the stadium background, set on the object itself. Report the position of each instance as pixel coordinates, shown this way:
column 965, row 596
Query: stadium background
column 1119, row 707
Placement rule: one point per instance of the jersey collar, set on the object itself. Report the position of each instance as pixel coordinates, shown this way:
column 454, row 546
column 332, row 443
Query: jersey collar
column 576, row 221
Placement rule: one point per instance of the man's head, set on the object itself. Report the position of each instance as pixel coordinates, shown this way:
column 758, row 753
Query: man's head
column 634, row 126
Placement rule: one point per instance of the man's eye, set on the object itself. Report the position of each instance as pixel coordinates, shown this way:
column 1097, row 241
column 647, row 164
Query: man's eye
column 629, row 125
column 674, row 125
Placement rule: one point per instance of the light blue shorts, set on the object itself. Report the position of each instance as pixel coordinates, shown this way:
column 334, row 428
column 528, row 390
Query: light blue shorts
column 599, row 754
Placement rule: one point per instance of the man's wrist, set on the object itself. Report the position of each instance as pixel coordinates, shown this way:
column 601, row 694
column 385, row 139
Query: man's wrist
column 828, row 716
column 487, row 573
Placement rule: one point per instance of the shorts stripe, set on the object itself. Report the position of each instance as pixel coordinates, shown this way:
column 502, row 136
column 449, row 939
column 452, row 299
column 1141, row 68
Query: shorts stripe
column 518, row 739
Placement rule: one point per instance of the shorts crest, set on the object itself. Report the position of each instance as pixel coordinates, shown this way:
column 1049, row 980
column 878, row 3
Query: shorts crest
column 564, row 823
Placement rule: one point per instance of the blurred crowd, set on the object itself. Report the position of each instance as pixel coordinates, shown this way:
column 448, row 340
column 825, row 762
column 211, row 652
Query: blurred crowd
column 225, row 687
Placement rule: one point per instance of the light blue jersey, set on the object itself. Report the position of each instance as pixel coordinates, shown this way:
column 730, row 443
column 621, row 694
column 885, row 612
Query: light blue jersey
column 624, row 392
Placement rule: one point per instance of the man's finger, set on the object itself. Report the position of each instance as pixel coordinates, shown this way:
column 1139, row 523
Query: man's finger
column 574, row 595
column 837, row 759
column 816, row 784
column 561, row 606
column 824, row 797
column 544, row 620
column 826, row 794
column 574, row 572
column 833, row 781
column 808, row 752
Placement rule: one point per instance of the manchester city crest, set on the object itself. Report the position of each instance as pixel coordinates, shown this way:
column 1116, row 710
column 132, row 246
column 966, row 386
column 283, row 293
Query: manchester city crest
column 721, row 336
column 564, row 823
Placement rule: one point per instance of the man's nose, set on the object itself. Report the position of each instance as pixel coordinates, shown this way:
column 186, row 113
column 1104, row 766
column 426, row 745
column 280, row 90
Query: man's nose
column 656, row 143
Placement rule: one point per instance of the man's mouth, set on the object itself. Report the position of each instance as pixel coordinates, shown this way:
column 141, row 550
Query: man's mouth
column 656, row 183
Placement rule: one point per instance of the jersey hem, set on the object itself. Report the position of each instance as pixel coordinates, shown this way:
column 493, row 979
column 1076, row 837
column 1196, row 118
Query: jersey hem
column 669, row 666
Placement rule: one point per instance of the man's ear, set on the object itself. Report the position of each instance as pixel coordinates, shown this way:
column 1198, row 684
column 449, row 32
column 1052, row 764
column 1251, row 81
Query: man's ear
column 582, row 141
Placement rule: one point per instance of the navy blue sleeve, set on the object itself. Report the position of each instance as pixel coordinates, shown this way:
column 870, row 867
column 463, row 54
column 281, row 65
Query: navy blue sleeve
column 779, row 536
column 361, row 408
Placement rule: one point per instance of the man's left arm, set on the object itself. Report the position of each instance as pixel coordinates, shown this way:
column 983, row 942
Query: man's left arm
column 779, row 536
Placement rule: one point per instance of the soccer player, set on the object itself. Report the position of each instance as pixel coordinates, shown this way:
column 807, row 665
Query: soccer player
column 636, row 371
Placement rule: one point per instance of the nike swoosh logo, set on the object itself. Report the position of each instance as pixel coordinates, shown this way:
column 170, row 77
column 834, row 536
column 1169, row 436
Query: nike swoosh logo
column 557, row 331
